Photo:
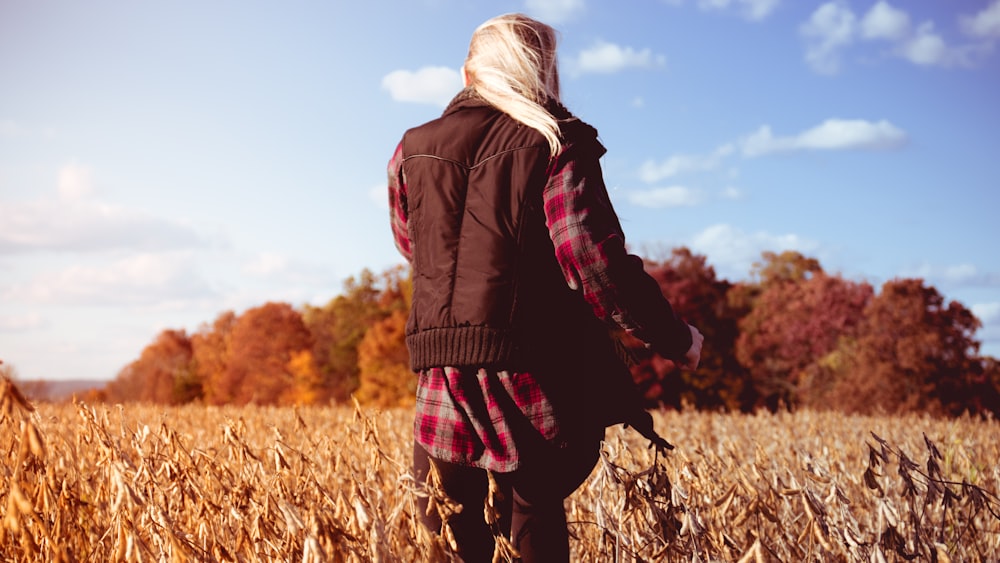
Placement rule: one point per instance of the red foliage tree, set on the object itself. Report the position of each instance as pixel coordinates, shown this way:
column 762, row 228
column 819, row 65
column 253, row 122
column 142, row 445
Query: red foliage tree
column 792, row 325
column 698, row 297
column 795, row 315
column 912, row 352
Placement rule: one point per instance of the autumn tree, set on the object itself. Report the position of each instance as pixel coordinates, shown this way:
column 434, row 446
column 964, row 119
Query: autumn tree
column 912, row 352
column 163, row 373
column 384, row 364
column 766, row 346
column 266, row 347
column 792, row 325
column 698, row 297
column 212, row 346
column 340, row 325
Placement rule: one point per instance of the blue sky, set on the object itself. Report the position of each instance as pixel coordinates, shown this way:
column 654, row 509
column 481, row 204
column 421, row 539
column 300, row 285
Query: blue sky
column 162, row 162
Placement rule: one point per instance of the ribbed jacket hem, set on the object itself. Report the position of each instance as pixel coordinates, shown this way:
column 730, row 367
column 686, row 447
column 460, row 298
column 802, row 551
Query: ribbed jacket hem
column 477, row 346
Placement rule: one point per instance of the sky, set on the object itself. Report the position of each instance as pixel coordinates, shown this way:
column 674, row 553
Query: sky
column 164, row 162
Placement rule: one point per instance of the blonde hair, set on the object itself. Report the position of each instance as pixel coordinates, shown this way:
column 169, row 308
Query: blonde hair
column 512, row 66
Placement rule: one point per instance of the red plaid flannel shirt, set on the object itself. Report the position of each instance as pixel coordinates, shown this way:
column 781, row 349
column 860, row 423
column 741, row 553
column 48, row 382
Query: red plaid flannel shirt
column 460, row 413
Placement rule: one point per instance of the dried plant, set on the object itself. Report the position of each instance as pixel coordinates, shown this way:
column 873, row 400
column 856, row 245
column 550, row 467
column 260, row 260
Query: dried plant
column 248, row 484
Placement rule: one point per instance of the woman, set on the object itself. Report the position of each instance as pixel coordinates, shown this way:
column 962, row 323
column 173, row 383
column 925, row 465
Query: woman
column 519, row 274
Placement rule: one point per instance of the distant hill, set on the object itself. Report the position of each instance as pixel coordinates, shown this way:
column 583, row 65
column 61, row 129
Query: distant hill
column 57, row 390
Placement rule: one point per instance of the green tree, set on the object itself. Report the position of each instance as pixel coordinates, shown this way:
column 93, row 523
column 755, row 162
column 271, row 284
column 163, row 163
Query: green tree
column 340, row 325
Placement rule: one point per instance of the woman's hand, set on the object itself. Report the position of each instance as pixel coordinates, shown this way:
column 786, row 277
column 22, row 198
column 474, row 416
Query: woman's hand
column 693, row 355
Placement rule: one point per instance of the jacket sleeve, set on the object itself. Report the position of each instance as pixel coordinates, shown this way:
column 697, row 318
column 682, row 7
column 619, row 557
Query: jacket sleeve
column 398, row 216
column 590, row 248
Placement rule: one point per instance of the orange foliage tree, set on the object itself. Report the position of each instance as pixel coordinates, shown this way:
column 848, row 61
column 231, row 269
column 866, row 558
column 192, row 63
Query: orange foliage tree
column 266, row 348
column 384, row 363
column 163, row 374
column 212, row 348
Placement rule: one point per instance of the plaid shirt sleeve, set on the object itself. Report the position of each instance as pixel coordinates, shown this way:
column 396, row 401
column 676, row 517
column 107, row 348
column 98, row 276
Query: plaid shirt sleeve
column 397, row 203
column 590, row 248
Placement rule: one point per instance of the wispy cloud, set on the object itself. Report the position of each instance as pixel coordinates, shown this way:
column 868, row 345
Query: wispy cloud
column 74, row 221
column 832, row 134
column 606, row 58
column 830, row 28
column 955, row 275
column 733, row 251
column 140, row 279
column 672, row 196
column 554, row 11
column 265, row 264
column 984, row 24
column 833, row 27
column 75, row 182
column 754, row 10
column 435, row 85
column 652, row 171
column 885, row 22
column 987, row 312
column 989, row 315
column 21, row 323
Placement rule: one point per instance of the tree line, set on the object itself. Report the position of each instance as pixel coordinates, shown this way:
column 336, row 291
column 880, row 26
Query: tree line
column 791, row 336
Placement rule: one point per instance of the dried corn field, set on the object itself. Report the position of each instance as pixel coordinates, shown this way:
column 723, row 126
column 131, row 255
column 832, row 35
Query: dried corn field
column 139, row 483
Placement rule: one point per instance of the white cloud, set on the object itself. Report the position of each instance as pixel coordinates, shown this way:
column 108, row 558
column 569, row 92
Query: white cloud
column 75, row 182
column 831, row 27
column 76, row 222
column 21, row 323
column 985, row 24
column 142, row 279
column 733, row 251
column 554, row 11
column 754, row 10
column 265, row 264
column 732, row 192
column 651, row 171
column 673, row 196
column 435, row 85
column 605, row 57
column 87, row 226
column 885, row 22
column 989, row 313
column 832, row 134
column 927, row 48
column 958, row 275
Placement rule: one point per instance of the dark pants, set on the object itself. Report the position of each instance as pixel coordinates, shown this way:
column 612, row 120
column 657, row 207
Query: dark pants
column 531, row 512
